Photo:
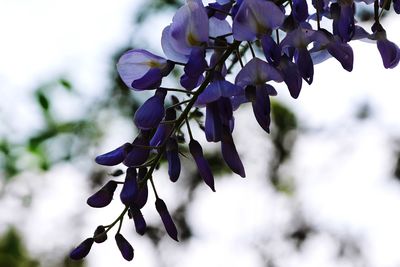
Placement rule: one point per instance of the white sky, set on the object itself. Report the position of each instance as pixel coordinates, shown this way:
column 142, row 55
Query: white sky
column 342, row 172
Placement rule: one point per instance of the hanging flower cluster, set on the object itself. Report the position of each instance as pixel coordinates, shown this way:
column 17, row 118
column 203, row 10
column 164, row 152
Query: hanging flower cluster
column 284, row 41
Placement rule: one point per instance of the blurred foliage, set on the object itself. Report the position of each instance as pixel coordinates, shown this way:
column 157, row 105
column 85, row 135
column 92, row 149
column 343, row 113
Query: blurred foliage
column 13, row 252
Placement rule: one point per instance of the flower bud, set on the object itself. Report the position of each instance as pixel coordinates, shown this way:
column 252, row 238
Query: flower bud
column 130, row 188
column 166, row 219
column 82, row 250
column 114, row 157
column 100, row 234
column 104, row 196
column 124, row 247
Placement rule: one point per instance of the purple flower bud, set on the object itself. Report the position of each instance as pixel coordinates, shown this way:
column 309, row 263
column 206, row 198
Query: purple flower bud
column 174, row 163
column 164, row 129
column 142, row 194
column 140, row 69
column 218, row 88
column 100, row 234
column 124, row 247
column 256, row 18
column 140, row 223
column 138, row 155
column 291, row 76
column 213, row 10
column 346, row 25
column 202, row 164
column 166, row 219
column 104, row 196
column 114, row 157
column 130, row 189
column 150, row 114
column 230, row 154
column 261, row 107
column 396, row 6
column 82, row 250
column 257, row 72
column 305, row 64
column 213, row 124
column 343, row 53
column 272, row 51
column 300, row 10
column 390, row 53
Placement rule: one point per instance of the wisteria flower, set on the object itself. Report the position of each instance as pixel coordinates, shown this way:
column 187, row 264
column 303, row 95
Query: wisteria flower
column 141, row 70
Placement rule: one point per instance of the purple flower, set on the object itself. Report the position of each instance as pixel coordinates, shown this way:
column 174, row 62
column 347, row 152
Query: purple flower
column 291, row 76
column 130, row 188
column 396, row 6
column 202, row 164
column 150, row 114
column 345, row 23
column 166, row 219
column 143, row 192
column 104, row 196
column 189, row 29
column 138, row 154
column 138, row 219
column 390, row 53
column 163, row 129
column 194, row 69
column 174, row 163
column 229, row 153
column 300, row 10
column 218, row 88
column 82, row 250
column 124, row 247
column 256, row 18
column 257, row 72
column 114, row 157
column 141, row 70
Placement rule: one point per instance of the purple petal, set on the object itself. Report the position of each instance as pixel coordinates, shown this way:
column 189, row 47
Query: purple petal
column 164, row 129
column 170, row 50
column 343, row 53
column 197, row 63
column 390, row 53
column 291, row 76
column 261, row 108
column 255, row 18
column 213, row 123
column 151, row 80
column 272, row 51
column 230, row 154
column 202, row 164
column 138, row 155
column 124, row 247
column 104, row 196
column 300, row 10
column 174, row 163
column 82, row 250
column 166, row 219
column 305, row 64
column 114, row 157
column 190, row 83
column 142, row 195
column 150, row 114
column 396, row 6
column 138, row 219
column 130, row 188
column 346, row 26
column 257, row 72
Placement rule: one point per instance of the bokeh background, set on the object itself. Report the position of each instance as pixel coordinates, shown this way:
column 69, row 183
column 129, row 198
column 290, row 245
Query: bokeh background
column 321, row 190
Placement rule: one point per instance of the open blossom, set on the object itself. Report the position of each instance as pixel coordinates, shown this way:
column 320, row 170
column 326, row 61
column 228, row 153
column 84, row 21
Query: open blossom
column 188, row 30
column 141, row 70
column 256, row 18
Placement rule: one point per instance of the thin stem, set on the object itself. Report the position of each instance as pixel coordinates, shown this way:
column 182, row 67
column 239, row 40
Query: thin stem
column 178, row 63
column 180, row 103
column 252, row 50
column 116, row 220
column 189, row 130
column 318, row 15
column 177, row 90
column 376, row 11
column 277, row 36
column 120, row 224
column 154, row 187
column 239, row 57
